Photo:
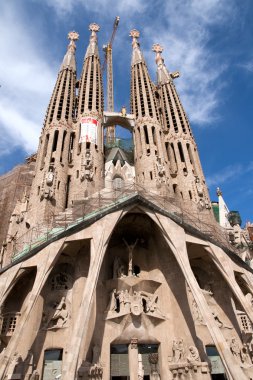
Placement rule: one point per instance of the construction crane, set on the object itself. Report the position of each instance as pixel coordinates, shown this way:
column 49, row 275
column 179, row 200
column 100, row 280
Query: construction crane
column 110, row 131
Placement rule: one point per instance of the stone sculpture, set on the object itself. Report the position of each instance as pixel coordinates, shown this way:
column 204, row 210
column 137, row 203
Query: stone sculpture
column 60, row 316
column 193, row 355
column 178, row 350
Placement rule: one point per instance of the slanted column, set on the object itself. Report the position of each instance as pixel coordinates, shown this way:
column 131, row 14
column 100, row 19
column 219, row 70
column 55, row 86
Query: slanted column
column 177, row 243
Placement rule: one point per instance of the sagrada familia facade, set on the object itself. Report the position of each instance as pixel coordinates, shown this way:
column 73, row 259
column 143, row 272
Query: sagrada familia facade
column 112, row 263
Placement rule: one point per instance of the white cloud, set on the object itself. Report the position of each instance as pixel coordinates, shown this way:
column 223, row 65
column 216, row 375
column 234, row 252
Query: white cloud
column 229, row 173
column 185, row 39
column 248, row 66
column 26, row 83
column 64, row 7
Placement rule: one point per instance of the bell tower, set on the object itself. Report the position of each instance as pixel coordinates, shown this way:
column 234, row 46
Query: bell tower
column 86, row 175
column 48, row 193
column 152, row 171
column 187, row 178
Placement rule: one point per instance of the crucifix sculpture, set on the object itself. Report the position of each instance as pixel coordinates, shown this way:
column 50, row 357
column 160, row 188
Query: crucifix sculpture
column 130, row 248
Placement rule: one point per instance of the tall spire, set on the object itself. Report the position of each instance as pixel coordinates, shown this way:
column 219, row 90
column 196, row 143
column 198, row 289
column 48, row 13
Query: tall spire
column 62, row 103
column 151, row 166
column 88, row 145
column 137, row 56
column 187, row 177
column 90, row 96
column 163, row 75
column 142, row 89
column 69, row 60
column 93, row 45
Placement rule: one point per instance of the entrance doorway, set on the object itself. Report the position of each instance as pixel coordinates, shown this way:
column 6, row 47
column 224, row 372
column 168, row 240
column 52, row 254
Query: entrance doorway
column 217, row 369
column 119, row 362
column 52, row 364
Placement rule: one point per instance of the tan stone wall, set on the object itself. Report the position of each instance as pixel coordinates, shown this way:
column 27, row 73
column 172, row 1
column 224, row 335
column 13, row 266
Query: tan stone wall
column 13, row 186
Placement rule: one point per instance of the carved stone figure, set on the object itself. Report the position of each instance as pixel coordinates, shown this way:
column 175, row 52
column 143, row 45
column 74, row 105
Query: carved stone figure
column 50, row 177
column 61, row 281
column 235, row 348
column 87, row 167
column 218, row 321
column 130, row 248
column 153, row 361
column 198, row 319
column 193, row 355
column 136, row 303
column 199, row 187
column 118, row 268
column 178, row 350
column 160, row 170
column 60, row 315
column 122, row 302
column 112, row 306
column 244, row 354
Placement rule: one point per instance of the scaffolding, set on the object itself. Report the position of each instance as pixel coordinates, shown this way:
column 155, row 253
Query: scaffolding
column 86, row 211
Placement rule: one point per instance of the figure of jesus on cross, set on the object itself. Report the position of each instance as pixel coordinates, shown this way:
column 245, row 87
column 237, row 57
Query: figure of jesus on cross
column 130, row 248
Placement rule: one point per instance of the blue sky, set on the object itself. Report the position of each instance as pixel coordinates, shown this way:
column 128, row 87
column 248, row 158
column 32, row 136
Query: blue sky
column 208, row 41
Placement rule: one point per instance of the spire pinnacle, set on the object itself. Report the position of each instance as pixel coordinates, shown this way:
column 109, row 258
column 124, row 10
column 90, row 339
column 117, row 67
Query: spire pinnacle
column 93, row 48
column 163, row 75
column 69, row 58
column 158, row 49
column 137, row 55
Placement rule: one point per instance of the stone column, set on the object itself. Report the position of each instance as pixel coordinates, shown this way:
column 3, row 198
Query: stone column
column 177, row 244
column 51, row 252
column 133, row 359
column 77, row 348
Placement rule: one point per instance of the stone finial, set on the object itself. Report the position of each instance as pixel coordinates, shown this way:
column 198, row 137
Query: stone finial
column 134, row 33
column 73, row 36
column 94, row 28
column 158, row 49
column 218, row 192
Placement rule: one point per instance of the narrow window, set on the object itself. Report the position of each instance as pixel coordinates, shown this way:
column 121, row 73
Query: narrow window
column 181, row 153
column 56, row 134
column 146, row 134
column 71, row 146
column 62, row 145
column 67, row 191
column 44, row 151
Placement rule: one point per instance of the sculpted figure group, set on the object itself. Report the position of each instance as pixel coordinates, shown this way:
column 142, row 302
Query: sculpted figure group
column 122, row 302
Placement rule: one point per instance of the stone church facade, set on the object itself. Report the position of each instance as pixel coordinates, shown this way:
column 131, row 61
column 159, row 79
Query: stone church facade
column 113, row 266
